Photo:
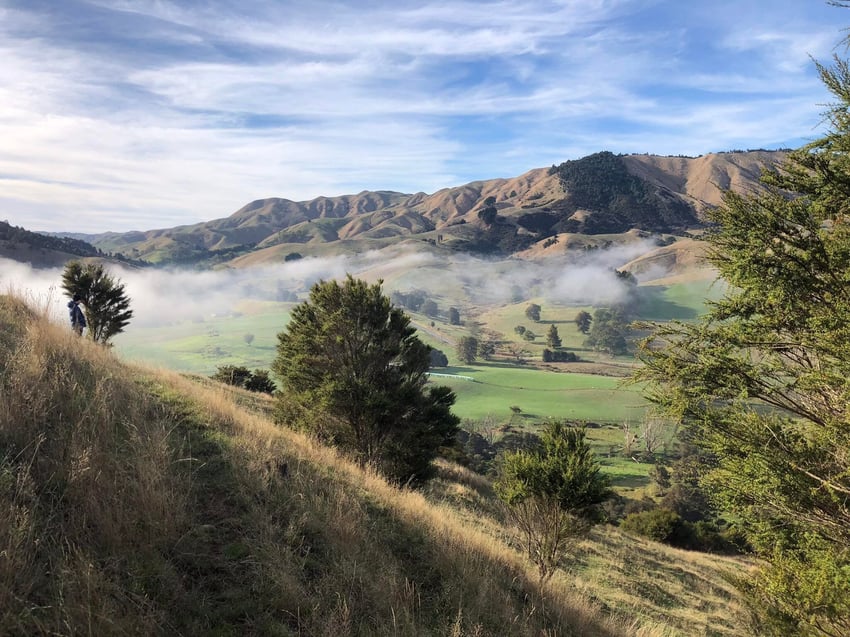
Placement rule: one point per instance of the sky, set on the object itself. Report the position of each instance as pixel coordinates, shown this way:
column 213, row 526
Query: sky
column 119, row 115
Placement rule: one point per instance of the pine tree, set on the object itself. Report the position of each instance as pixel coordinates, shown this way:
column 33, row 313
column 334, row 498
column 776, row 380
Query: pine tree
column 761, row 381
column 354, row 371
column 553, row 339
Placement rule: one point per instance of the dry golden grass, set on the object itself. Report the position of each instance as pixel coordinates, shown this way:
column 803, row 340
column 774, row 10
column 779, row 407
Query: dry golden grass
column 136, row 501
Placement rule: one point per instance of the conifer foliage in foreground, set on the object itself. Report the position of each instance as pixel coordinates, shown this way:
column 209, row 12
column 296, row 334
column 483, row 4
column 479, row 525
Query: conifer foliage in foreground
column 761, row 380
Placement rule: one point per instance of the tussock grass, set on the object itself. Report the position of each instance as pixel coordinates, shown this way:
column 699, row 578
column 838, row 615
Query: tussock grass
column 136, row 501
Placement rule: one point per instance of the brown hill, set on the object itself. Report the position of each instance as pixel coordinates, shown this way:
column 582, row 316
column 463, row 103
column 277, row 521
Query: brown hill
column 528, row 208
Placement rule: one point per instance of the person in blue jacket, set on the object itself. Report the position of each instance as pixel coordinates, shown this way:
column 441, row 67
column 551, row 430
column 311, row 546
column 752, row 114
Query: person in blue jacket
column 78, row 319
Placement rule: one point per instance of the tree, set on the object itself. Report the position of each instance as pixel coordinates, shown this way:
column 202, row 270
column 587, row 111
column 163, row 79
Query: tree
column 467, row 349
column 454, row 316
column 240, row 376
column 553, row 339
column 107, row 306
column 608, row 332
column 583, row 320
column 235, row 375
column 518, row 353
column 353, row 370
column 760, row 382
column 488, row 215
column 437, row 358
column 260, row 381
column 486, row 349
column 553, row 494
column 248, row 338
column 532, row 312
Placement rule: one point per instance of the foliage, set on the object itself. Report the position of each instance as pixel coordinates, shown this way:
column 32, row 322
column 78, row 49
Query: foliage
column 248, row 338
column 761, row 381
column 437, row 358
column 467, row 349
column 553, row 494
column 488, row 215
column 608, row 332
column 355, row 371
column 18, row 235
column 486, row 349
column 661, row 525
column 239, row 376
column 107, row 306
column 553, row 339
column 454, row 316
column 619, row 200
column 556, row 356
column 532, row 312
column 583, row 320
column 261, row 382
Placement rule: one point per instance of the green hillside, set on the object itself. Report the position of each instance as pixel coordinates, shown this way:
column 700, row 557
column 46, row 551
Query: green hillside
column 142, row 502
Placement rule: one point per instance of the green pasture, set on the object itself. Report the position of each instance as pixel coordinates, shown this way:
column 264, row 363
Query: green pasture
column 202, row 346
column 539, row 394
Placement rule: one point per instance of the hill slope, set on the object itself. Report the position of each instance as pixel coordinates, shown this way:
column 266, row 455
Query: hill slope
column 139, row 502
column 602, row 193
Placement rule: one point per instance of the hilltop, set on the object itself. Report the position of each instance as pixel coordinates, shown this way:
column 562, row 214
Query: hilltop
column 599, row 194
column 135, row 501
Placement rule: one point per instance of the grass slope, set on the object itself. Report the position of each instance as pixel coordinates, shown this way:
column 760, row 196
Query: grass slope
column 145, row 503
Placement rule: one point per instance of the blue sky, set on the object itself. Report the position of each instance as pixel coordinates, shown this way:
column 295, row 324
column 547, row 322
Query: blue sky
column 139, row 114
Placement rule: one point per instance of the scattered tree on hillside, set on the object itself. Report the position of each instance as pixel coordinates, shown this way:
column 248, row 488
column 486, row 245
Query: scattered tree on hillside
column 559, row 356
column 532, row 312
column 437, row 358
column 518, row 353
column 486, row 349
column 248, row 338
column 107, row 306
column 553, row 339
column 467, row 349
column 519, row 329
column 608, row 332
column 488, row 215
column 454, row 316
column 353, row 370
column 583, row 320
column 778, row 338
column 553, row 494
column 257, row 381
column 235, row 375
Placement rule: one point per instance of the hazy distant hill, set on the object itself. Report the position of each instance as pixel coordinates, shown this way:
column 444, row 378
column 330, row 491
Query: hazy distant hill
column 601, row 193
column 41, row 250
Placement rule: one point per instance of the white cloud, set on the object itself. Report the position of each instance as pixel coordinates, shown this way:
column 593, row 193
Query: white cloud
column 208, row 105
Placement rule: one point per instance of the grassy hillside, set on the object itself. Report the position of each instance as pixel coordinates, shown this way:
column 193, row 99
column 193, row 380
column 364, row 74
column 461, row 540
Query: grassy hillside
column 143, row 502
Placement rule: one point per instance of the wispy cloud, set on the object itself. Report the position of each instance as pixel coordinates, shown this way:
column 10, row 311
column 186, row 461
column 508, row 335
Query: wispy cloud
column 133, row 114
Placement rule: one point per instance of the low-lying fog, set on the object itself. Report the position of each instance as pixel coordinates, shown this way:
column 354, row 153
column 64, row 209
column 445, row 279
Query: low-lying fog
column 166, row 296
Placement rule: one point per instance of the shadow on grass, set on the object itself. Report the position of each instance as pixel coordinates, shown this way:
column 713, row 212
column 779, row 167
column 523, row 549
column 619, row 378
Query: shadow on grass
column 655, row 307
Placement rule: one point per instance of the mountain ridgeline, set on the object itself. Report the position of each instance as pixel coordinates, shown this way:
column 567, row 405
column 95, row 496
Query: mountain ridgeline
column 602, row 193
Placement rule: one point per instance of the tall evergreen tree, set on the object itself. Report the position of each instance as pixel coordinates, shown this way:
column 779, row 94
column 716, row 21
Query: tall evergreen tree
column 553, row 339
column 761, row 382
column 352, row 367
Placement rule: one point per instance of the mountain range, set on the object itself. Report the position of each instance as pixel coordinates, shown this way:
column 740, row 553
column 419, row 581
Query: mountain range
column 599, row 194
